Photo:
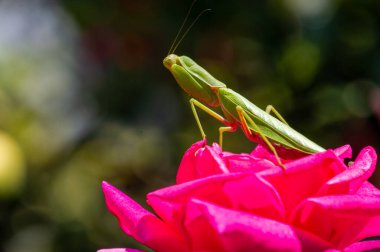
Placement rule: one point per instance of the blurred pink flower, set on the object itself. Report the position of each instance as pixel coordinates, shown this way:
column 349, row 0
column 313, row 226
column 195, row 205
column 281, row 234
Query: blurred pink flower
column 246, row 202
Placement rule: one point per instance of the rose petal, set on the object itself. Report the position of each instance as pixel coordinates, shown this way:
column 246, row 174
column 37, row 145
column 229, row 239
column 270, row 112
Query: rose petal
column 303, row 177
column 368, row 189
column 255, row 195
column 364, row 246
column 340, row 219
column 120, row 250
column 200, row 162
column 186, row 169
column 259, row 197
column 246, row 163
column 209, row 162
column 141, row 224
column 262, row 153
column 350, row 180
column 285, row 154
column 371, row 229
column 169, row 202
column 216, row 148
column 214, row 228
column 343, row 152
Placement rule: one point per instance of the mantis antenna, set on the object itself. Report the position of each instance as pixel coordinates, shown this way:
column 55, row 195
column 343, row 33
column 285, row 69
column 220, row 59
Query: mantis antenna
column 177, row 41
column 188, row 29
column 182, row 25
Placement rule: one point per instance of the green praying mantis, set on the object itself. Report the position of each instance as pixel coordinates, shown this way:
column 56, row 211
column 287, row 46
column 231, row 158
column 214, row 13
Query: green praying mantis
column 238, row 112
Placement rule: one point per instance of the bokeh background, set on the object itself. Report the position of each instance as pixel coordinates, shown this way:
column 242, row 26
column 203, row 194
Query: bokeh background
column 84, row 98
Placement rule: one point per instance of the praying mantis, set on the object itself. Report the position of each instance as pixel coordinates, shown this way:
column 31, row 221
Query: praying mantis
column 238, row 112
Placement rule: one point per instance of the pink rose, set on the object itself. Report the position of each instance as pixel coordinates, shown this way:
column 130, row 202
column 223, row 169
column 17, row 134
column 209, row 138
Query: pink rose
column 246, row 202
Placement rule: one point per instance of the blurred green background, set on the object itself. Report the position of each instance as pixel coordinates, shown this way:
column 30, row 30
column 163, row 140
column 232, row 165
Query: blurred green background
column 84, row 98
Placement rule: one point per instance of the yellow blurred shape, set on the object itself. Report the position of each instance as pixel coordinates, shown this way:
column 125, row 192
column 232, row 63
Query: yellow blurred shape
column 12, row 167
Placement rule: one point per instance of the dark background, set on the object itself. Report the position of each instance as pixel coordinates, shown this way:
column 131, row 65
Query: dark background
column 84, row 97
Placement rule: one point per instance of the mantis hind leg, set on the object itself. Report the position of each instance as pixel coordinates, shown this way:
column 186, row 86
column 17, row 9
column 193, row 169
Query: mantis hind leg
column 243, row 116
column 225, row 129
column 194, row 103
column 270, row 109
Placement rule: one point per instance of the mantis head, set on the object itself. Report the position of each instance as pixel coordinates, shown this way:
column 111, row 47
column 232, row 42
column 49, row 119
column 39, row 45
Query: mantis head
column 194, row 79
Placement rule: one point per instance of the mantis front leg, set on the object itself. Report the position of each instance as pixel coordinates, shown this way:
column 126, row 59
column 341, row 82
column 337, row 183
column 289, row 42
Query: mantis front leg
column 228, row 128
column 243, row 116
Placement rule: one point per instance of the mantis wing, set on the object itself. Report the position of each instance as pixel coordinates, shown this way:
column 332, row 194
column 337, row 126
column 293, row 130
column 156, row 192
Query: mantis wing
column 276, row 131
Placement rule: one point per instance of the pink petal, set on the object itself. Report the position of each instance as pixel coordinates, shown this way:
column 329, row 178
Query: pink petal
column 209, row 162
column 350, row 180
column 340, row 219
column 364, row 246
column 141, row 224
column 286, row 154
column 255, row 195
column 169, row 202
column 216, row 148
column 259, row 197
column 343, row 152
column 246, row 163
column 199, row 162
column 120, row 250
column 186, row 169
column 214, row 228
column 262, row 153
column 303, row 177
column 368, row 189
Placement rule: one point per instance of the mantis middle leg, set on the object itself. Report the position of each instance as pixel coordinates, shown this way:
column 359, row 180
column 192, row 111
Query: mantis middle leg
column 228, row 128
column 243, row 116
column 270, row 109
